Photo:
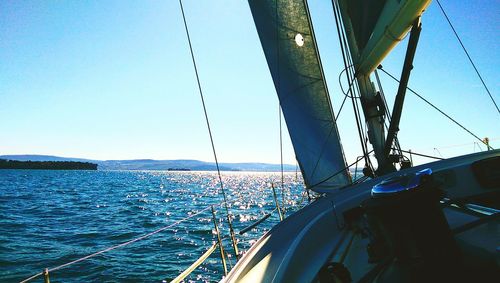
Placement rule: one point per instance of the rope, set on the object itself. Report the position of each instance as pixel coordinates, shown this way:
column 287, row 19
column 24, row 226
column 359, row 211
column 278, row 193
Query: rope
column 346, row 94
column 468, row 56
column 336, row 173
column 347, row 63
column 350, row 84
column 340, row 109
column 420, row 154
column 208, row 122
column 117, row 246
column 435, row 107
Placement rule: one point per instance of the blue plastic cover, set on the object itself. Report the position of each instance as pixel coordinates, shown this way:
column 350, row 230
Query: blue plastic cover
column 400, row 183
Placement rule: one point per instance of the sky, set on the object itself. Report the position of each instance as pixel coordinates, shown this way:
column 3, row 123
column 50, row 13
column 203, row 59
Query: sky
column 114, row 80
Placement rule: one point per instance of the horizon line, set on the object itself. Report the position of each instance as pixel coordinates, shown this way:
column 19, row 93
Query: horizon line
column 152, row 159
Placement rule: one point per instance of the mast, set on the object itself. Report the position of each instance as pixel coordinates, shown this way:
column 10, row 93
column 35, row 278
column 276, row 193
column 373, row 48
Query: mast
column 373, row 117
column 373, row 28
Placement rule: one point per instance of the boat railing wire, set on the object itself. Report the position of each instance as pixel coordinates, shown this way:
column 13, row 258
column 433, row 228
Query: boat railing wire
column 117, row 246
column 265, row 216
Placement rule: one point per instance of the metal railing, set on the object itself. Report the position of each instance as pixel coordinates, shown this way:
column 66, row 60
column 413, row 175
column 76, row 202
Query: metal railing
column 219, row 243
column 46, row 271
column 203, row 257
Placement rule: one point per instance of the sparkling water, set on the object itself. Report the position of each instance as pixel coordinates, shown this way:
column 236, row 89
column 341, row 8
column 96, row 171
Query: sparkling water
column 48, row 218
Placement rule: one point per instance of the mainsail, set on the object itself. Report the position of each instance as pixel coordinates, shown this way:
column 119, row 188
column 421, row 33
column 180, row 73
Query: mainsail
column 288, row 41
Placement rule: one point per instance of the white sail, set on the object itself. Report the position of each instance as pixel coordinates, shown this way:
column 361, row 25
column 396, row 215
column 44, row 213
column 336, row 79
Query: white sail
column 289, row 45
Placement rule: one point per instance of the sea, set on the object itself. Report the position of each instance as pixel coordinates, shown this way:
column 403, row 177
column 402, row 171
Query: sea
column 50, row 218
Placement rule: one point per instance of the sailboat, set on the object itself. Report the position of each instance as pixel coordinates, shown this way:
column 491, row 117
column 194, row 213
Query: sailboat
column 436, row 222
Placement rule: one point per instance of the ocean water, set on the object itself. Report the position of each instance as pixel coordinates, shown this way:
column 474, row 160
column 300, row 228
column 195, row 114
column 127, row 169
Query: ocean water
column 48, row 218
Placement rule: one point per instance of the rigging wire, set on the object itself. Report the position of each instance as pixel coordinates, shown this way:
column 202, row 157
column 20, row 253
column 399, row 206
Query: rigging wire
column 435, row 107
column 349, row 90
column 462, row 144
column 438, row 152
column 382, row 94
column 350, row 76
column 279, row 101
column 480, row 149
column 387, row 121
column 281, row 155
column 346, row 93
column 468, row 56
column 356, row 94
column 333, row 127
column 296, row 170
column 420, row 154
column 336, row 173
column 340, row 109
column 231, row 230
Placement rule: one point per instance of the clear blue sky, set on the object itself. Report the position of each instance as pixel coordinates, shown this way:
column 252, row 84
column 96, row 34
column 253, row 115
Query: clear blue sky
column 114, row 80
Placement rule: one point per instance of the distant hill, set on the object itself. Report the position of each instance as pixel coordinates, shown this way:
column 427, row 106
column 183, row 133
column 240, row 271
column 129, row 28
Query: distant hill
column 151, row 164
column 47, row 165
column 36, row 157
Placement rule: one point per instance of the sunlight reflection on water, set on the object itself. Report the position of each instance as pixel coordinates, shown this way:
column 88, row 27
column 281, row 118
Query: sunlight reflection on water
column 48, row 218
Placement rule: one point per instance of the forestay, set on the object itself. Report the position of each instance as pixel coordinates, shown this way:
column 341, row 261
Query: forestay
column 289, row 45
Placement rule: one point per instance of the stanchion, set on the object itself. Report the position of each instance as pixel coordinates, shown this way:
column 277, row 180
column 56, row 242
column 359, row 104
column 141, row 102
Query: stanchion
column 276, row 201
column 46, row 278
column 221, row 248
